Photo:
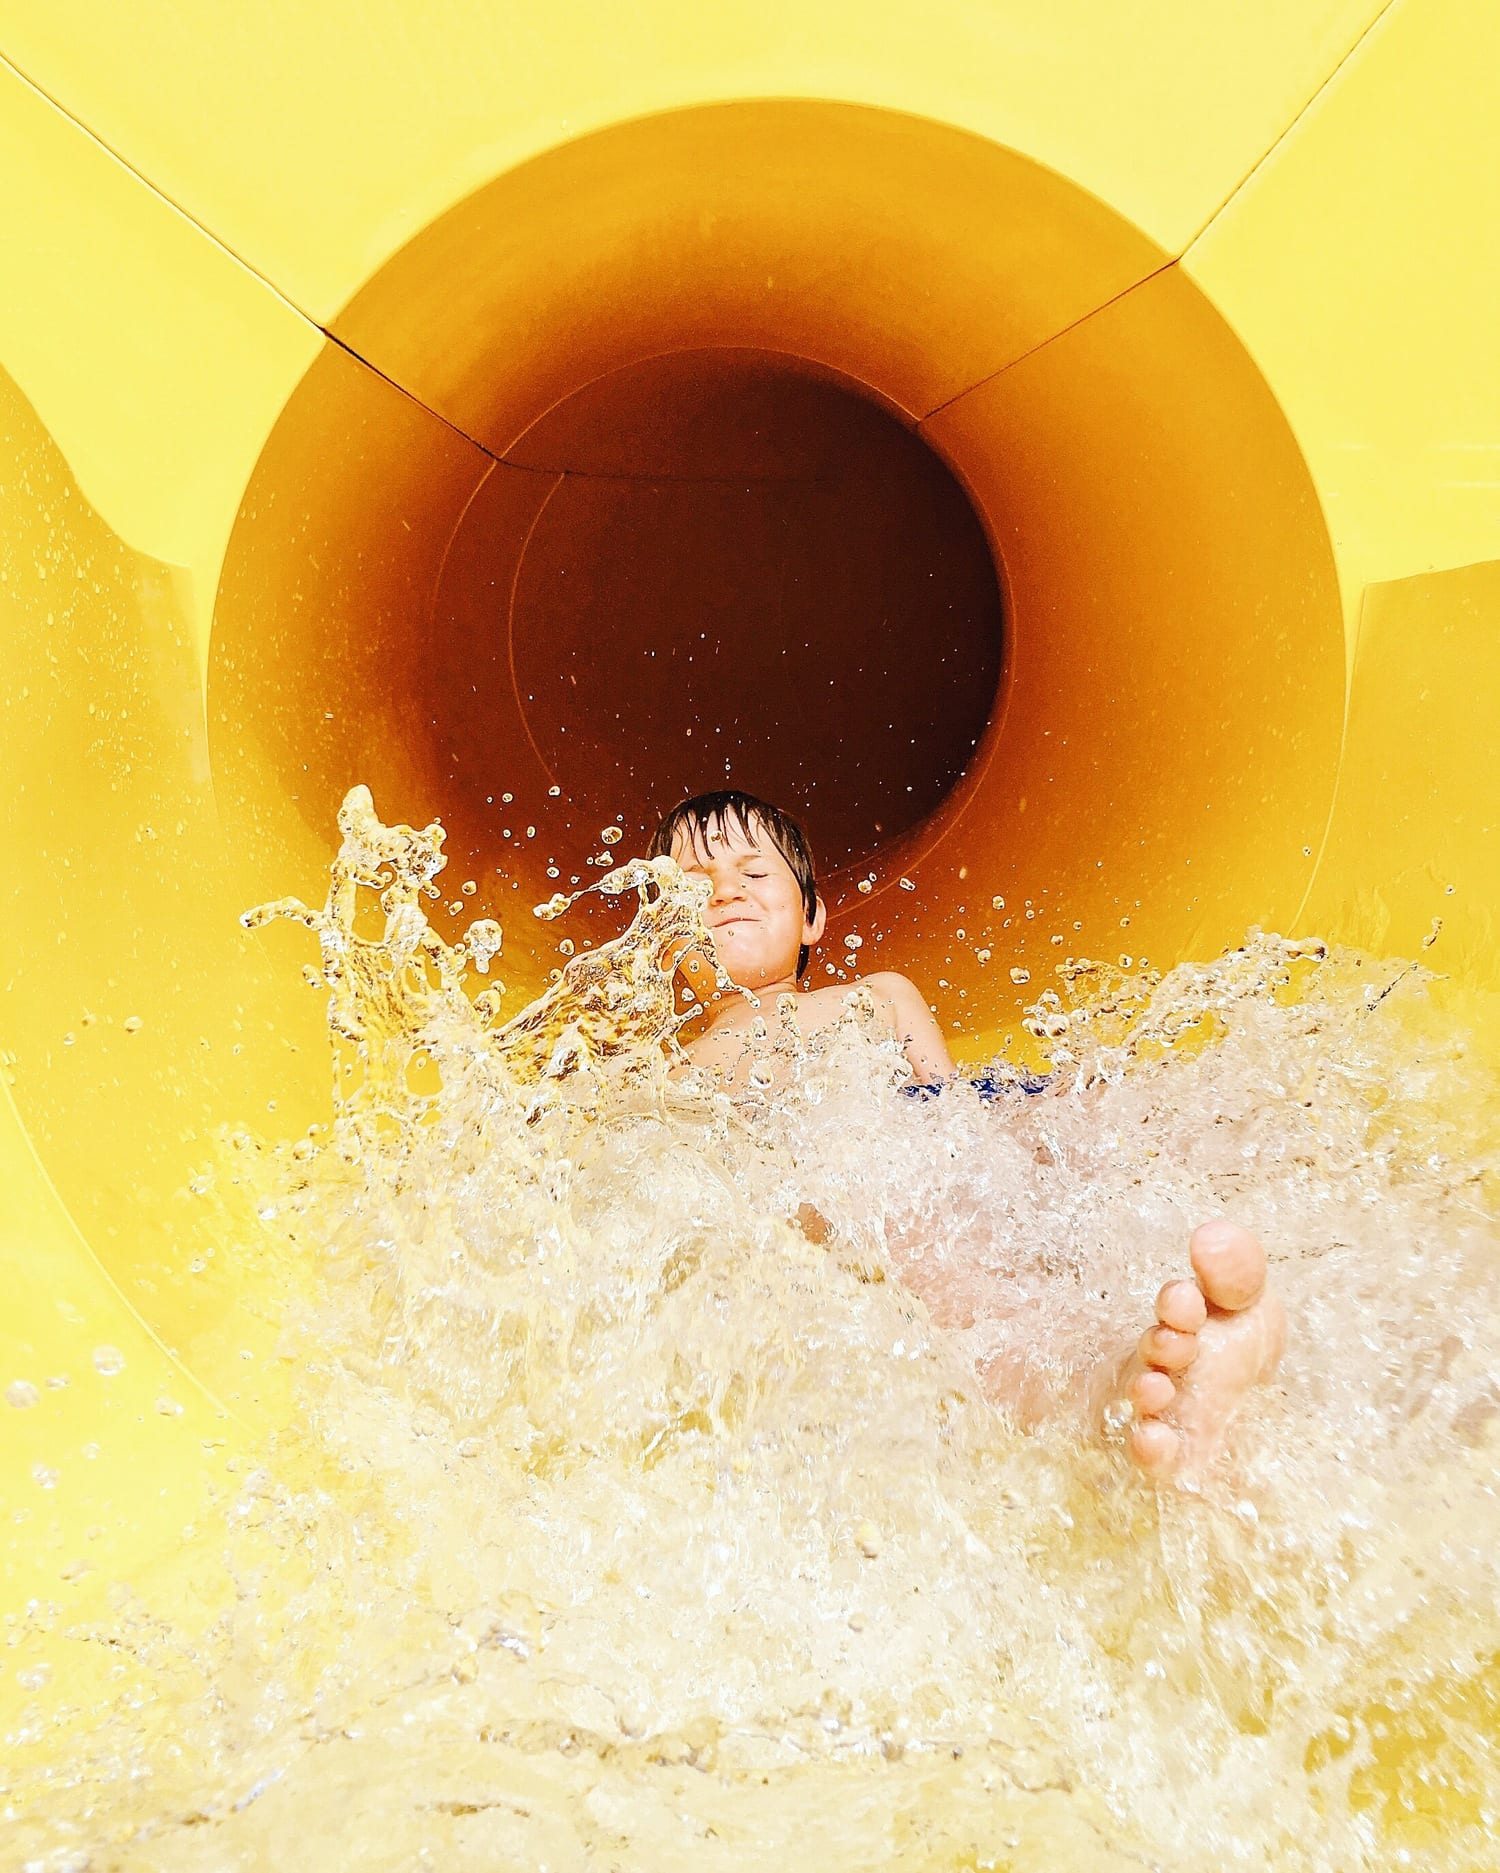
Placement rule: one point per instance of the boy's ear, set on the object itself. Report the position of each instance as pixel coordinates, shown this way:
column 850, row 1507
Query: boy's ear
column 813, row 928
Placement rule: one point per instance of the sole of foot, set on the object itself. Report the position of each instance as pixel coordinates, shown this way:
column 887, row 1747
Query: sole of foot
column 1216, row 1338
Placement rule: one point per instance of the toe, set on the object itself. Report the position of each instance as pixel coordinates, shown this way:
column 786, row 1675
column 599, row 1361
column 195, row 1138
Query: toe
column 1151, row 1392
column 1230, row 1264
column 1167, row 1348
column 1181, row 1305
column 1155, row 1446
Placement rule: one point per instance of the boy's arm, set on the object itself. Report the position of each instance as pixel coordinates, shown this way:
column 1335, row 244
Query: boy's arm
column 917, row 1031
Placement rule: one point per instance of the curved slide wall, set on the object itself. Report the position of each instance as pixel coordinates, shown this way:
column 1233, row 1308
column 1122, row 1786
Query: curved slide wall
column 1059, row 458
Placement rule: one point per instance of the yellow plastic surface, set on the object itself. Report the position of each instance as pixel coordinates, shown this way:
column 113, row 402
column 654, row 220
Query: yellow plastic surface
column 1236, row 463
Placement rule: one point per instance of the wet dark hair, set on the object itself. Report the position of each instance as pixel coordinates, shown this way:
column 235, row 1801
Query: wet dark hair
column 712, row 813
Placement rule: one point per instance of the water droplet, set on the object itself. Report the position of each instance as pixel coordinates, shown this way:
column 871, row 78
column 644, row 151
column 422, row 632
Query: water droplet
column 44, row 1476
column 553, row 792
column 22, row 1394
column 34, row 1677
column 867, row 1540
column 565, row 948
column 483, row 941
column 906, row 884
column 853, row 942
column 865, row 886
column 108, row 1360
column 612, row 835
column 168, row 1407
column 997, row 903
column 507, row 798
column 133, row 1024
column 468, row 887
column 1020, row 975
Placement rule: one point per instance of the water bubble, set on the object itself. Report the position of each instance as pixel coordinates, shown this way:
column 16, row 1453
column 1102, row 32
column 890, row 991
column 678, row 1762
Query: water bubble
column 853, row 942
column 982, row 956
column 1020, row 975
column 997, row 903
column 34, row 1677
column 553, row 792
column 133, row 1024
column 44, row 1476
column 906, row 884
column 867, row 1540
column 612, row 835
column 552, row 872
column 108, row 1361
column 168, row 1407
column 468, row 887
column 22, row 1394
column 507, row 798
column 566, row 946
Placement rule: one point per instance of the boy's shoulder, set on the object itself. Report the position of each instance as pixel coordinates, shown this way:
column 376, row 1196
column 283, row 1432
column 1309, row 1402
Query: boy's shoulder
column 894, row 995
column 899, row 990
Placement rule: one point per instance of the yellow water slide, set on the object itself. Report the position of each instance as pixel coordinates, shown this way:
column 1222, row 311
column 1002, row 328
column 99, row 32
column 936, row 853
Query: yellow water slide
column 1057, row 449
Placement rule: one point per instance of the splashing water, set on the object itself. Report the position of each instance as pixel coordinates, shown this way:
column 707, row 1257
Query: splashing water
column 624, row 1521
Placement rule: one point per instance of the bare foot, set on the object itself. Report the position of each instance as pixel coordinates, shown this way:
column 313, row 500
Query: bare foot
column 1214, row 1339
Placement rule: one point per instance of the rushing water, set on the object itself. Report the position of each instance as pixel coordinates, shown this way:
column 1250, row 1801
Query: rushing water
column 623, row 1519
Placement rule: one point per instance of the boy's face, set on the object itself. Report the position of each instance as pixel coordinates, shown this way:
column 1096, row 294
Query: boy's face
column 756, row 912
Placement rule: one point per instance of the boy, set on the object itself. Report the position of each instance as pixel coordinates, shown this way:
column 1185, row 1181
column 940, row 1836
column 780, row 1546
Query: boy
column 1214, row 1337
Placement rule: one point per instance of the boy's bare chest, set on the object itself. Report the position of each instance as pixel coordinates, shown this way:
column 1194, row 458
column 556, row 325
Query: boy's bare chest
column 744, row 1032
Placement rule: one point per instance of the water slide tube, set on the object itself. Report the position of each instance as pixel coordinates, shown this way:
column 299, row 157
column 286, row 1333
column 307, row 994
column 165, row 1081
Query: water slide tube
column 1058, row 450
